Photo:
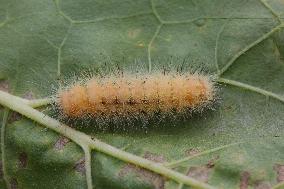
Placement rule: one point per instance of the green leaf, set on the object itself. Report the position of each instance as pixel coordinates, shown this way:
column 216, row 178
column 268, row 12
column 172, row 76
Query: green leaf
column 239, row 42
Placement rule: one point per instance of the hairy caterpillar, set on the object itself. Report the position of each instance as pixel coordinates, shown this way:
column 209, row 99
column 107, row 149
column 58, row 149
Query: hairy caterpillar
column 127, row 94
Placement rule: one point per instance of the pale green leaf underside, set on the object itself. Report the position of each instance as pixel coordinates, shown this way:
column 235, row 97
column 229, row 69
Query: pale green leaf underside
column 240, row 41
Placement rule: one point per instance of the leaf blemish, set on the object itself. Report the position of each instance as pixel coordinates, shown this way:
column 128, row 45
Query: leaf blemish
column 4, row 85
column 80, row 166
column 200, row 173
column 154, row 157
column 191, row 151
column 61, row 142
column 133, row 33
column 23, row 160
column 211, row 162
column 29, row 95
column 262, row 185
column 244, row 181
column 280, row 172
column 14, row 117
column 155, row 179
column 14, row 183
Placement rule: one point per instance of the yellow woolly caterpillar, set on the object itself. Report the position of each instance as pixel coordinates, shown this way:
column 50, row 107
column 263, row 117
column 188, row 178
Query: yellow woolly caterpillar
column 131, row 95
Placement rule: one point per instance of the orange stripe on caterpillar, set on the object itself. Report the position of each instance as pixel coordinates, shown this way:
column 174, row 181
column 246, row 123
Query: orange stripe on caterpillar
column 134, row 94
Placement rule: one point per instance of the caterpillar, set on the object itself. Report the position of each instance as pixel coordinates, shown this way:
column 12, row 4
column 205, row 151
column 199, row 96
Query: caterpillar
column 129, row 94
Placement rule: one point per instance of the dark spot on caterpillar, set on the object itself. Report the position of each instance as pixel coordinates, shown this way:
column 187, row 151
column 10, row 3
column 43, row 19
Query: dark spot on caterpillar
column 116, row 101
column 145, row 101
column 131, row 101
column 143, row 112
column 103, row 101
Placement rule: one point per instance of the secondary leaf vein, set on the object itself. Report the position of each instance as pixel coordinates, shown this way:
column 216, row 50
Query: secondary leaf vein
column 150, row 45
column 267, row 6
column 262, row 38
column 155, row 11
column 252, row 88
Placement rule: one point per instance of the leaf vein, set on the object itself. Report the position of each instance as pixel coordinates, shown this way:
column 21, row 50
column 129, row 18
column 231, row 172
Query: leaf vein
column 267, row 6
column 110, row 18
column 60, row 50
column 252, row 88
column 60, row 12
column 153, row 7
column 4, row 122
column 216, row 46
column 212, row 18
column 150, row 45
column 88, row 167
column 248, row 47
column 176, row 163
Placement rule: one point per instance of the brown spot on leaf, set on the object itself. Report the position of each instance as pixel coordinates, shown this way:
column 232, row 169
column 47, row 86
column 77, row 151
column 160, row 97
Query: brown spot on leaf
column 133, row 33
column 157, row 180
column 262, row 185
column 29, row 95
column 211, row 162
column 154, row 157
column 80, row 166
column 61, row 142
column 199, row 173
column 14, row 116
column 202, row 173
column 191, row 152
column 13, row 183
column 244, row 182
column 23, row 160
column 280, row 172
column 4, row 85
